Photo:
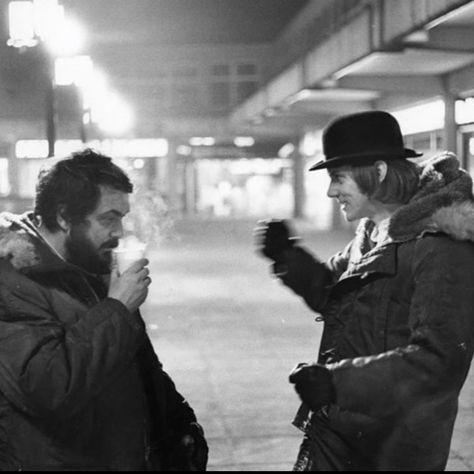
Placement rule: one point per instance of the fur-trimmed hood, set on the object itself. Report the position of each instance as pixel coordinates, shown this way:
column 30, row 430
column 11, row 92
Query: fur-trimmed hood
column 443, row 203
column 21, row 244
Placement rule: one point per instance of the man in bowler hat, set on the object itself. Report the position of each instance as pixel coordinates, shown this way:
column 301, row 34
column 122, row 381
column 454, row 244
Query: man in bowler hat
column 396, row 303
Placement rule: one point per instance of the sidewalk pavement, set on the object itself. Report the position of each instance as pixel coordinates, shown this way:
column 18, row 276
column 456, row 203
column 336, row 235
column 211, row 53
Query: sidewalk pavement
column 229, row 335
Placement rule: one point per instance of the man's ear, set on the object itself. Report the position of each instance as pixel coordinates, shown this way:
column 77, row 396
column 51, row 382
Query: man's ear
column 62, row 220
column 381, row 167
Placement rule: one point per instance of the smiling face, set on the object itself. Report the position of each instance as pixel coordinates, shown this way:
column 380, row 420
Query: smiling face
column 354, row 203
column 90, row 242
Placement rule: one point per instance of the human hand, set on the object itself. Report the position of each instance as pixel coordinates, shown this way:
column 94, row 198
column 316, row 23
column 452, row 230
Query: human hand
column 273, row 237
column 313, row 383
column 130, row 287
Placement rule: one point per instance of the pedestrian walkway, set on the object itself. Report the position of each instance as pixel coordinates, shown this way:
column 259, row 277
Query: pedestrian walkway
column 229, row 335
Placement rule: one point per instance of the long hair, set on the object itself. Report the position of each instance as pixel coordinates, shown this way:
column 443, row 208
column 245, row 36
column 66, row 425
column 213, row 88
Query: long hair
column 398, row 187
column 72, row 187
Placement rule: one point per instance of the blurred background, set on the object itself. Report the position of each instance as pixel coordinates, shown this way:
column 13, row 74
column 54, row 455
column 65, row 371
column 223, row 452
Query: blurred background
column 215, row 108
column 218, row 105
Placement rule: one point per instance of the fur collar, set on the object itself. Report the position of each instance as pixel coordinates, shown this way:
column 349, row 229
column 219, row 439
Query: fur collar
column 443, row 203
column 20, row 242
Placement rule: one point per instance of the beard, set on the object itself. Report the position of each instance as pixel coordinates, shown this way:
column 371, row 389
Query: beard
column 82, row 252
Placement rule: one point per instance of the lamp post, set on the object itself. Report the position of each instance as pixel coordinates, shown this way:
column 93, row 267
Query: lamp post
column 50, row 105
column 41, row 23
column 27, row 29
column 77, row 71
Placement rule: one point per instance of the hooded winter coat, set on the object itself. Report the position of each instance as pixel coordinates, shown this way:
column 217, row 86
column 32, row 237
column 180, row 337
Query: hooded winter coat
column 398, row 332
column 80, row 385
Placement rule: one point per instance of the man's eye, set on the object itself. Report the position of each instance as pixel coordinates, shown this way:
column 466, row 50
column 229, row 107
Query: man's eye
column 108, row 221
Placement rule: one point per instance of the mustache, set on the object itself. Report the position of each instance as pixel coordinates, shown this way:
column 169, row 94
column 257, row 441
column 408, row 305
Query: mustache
column 110, row 244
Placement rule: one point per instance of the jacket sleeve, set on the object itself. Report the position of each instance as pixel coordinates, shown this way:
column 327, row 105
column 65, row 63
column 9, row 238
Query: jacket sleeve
column 434, row 364
column 48, row 368
column 172, row 417
column 171, row 411
column 310, row 278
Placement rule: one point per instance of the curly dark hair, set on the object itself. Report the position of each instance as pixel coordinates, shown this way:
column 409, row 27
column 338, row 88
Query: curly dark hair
column 71, row 186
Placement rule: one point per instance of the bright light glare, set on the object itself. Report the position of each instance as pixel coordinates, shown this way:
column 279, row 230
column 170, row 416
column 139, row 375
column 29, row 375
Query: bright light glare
column 21, row 24
column 31, row 148
column 421, row 118
column 112, row 114
column 73, row 70
column 116, row 147
column 66, row 38
column 48, row 15
column 39, row 148
column 184, row 150
column 94, row 88
column 286, row 150
column 202, row 141
column 139, row 163
column 244, row 141
column 465, row 110
column 109, row 111
column 311, row 144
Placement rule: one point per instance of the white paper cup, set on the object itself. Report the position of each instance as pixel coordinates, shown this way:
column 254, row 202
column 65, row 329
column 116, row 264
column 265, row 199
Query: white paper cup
column 127, row 256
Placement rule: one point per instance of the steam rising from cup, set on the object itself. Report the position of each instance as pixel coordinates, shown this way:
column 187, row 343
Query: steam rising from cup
column 129, row 250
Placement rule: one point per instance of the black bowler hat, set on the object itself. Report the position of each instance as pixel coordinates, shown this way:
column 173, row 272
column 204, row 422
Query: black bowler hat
column 362, row 138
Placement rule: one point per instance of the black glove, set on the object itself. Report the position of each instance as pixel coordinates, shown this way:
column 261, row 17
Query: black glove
column 273, row 237
column 313, row 383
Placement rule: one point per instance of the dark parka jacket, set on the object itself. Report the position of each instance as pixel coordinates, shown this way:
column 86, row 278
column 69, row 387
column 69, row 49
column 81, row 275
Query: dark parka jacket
column 80, row 385
column 398, row 332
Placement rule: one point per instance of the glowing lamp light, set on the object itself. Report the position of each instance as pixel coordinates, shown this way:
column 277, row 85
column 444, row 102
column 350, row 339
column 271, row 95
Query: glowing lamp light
column 44, row 20
column 244, row 141
column 73, row 70
column 184, row 150
column 21, row 20
column 202, row 141
column 67, row 38
column 139, row 163
column 286, row 150
column 112, row 114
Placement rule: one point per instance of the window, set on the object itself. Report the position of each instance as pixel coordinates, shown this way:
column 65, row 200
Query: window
column 246, row 69
column 185, row 71
column 220, row 70
column 220, row 94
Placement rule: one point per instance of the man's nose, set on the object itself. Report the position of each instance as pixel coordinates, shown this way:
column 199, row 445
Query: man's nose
column 117, row 231
column 332, row 191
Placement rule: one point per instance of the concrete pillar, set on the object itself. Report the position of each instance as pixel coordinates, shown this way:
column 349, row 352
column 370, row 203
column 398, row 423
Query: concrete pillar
column 189, row 187
column 14, row 180
column 172, row 177
column 450, row 129
column 299, row 190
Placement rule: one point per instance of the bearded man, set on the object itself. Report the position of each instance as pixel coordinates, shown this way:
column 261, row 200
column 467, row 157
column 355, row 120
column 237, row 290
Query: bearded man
column 81, row 387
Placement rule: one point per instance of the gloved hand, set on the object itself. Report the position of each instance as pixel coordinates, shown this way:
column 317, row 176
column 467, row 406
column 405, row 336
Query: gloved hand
column 273, row 237
column 313, row 383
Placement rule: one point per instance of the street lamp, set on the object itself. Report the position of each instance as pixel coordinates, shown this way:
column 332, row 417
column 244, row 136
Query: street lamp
column 42, row 23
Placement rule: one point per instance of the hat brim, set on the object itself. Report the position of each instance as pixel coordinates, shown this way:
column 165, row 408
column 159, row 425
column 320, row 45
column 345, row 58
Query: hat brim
column 359, row 159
